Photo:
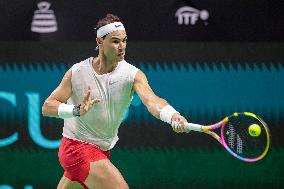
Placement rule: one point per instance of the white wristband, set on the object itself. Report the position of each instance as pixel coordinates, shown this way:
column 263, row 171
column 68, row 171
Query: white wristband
column 167, row 113
column 65, row 110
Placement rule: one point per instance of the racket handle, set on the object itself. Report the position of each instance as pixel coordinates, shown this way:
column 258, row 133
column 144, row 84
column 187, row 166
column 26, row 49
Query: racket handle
column 193, row 127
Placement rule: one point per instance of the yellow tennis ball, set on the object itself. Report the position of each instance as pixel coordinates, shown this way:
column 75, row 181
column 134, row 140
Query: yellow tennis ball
column 254, row 130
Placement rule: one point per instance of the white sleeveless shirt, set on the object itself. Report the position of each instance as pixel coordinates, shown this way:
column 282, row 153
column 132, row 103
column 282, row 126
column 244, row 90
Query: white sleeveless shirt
column 99, row 126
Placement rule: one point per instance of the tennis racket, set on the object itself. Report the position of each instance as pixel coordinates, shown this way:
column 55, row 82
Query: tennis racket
column 244, row 135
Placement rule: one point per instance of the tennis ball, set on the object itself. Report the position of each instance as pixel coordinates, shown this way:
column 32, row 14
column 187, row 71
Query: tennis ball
column 254, row 130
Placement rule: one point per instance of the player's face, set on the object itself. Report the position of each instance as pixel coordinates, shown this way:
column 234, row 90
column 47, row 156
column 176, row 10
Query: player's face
column 114, row 45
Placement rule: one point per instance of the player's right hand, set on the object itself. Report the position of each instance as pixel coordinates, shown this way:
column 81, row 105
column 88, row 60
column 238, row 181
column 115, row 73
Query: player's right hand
column 88, row 102
column 178, row 122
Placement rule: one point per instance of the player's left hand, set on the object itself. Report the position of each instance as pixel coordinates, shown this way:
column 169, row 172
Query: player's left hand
column 178, row 122
column 88, row 102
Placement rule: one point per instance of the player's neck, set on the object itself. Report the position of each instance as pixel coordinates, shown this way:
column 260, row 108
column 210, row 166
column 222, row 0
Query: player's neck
column 102, row 66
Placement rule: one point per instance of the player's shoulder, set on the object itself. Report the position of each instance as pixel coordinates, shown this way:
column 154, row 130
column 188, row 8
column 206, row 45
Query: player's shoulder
column 128, row 70
column 80, row 65
column 132, row 67
column 126, row 65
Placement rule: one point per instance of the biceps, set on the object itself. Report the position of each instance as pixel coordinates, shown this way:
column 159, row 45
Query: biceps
column 61, row 93
column 147, row 96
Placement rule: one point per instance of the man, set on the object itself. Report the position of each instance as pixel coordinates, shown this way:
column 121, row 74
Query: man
column 98, row 92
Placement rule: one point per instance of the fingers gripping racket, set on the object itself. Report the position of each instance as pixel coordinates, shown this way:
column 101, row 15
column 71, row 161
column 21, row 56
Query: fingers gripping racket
column 244, row 135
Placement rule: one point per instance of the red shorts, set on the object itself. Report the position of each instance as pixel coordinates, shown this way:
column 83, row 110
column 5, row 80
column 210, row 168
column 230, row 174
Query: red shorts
column 75, row 157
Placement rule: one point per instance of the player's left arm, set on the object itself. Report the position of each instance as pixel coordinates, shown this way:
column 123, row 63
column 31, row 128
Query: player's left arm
column 157, row 106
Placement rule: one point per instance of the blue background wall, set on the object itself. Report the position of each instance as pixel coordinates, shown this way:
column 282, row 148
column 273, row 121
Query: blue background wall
column 204, row 92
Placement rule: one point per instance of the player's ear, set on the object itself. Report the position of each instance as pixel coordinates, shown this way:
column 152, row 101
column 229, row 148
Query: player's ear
column 99, row 41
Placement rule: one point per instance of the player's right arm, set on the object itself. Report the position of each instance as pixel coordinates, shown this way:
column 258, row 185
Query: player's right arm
column 58, row 96
column 157, row 106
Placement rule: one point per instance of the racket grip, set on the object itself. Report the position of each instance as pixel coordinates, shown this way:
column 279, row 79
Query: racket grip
column 193, row 127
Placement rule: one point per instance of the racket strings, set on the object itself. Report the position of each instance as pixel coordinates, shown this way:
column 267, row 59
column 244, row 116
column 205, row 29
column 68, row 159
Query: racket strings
column 239, row 145
column 231, row 138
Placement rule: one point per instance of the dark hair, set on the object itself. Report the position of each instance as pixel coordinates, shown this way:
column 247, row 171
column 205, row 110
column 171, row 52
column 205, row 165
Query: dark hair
column 109, row 18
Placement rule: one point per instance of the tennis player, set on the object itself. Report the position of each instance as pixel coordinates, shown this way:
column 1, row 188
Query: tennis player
column 98, row 92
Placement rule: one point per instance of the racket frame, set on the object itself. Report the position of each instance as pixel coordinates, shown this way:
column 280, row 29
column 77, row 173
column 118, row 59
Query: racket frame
column 208, row 129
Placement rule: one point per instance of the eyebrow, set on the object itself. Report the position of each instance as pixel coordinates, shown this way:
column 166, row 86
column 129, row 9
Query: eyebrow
column 119, row 38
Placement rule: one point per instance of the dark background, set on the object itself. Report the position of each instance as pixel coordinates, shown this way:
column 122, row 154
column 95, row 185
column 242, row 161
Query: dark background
column 231, row 62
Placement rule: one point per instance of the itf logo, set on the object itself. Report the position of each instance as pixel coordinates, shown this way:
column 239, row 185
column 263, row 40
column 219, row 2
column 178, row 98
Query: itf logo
column 188, row 15
column 44, row 20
